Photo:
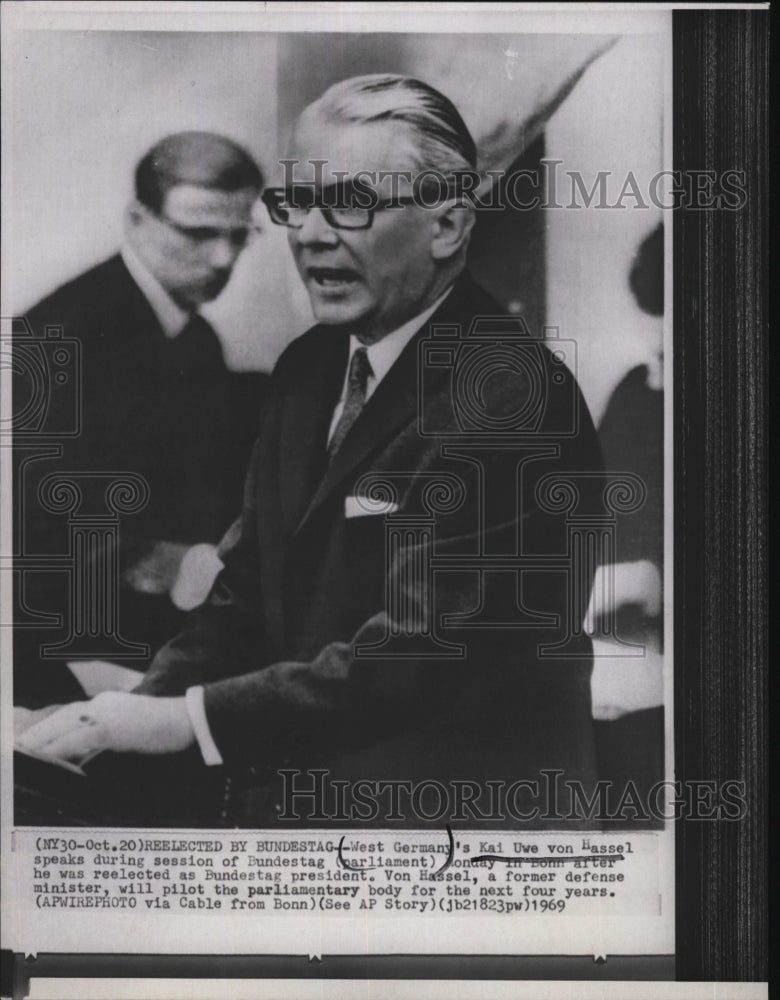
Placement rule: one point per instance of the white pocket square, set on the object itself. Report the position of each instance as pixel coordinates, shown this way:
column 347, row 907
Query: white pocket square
column 367, row 507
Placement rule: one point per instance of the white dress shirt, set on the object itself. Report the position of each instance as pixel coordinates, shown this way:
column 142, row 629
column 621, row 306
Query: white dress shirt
column 172, row 318
column 382, row 356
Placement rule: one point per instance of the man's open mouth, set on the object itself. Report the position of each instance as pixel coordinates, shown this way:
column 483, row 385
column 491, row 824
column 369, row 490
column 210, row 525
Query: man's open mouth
column 333, row 277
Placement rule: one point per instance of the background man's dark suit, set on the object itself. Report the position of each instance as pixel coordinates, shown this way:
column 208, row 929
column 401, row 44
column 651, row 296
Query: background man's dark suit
column 302, row 583
column 165, row 408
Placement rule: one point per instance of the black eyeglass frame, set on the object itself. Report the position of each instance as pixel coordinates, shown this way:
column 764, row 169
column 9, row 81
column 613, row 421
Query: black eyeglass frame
column 272, row 196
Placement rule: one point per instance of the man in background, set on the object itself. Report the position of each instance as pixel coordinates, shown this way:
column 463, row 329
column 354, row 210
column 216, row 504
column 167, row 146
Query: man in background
column 628, row 690
column 158, row 399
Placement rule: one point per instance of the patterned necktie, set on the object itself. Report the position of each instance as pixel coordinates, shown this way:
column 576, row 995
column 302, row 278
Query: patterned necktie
column 357, row 381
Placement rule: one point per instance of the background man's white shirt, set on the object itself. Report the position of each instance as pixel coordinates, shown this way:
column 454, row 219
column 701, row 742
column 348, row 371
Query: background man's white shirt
column 171, row 317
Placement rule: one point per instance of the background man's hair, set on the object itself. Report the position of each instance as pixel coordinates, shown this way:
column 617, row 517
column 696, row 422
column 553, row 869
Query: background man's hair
column 442, row 140
column 646, row 277
column 202, row 159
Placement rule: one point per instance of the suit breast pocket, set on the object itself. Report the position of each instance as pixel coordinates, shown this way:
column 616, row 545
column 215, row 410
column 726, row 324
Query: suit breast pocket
column 365, row 538
column 365, row 560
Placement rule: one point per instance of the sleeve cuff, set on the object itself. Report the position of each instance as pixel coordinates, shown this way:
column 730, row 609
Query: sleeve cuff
column 197, row 713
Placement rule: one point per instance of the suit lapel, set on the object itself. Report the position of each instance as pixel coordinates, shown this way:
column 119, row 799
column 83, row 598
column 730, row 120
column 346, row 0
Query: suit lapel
column 138, row 341
column 305, row 421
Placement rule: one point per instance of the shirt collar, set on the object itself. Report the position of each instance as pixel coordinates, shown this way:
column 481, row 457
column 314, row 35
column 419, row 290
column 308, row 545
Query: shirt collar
column 383, row 354
column 171, row 317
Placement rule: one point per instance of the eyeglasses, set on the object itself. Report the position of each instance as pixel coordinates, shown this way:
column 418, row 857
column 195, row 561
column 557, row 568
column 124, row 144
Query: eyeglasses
column 291, row 207
column 237, row 237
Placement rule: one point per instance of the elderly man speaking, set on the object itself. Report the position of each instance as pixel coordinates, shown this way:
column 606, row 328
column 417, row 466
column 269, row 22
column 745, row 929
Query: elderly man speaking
column 396, row 608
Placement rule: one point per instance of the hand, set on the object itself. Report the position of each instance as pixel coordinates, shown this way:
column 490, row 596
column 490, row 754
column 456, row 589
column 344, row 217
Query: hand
column 636, row 583
column 24, row 718
column 156, row 572
column 113, row 720
column 621, row 684
column 197, row 572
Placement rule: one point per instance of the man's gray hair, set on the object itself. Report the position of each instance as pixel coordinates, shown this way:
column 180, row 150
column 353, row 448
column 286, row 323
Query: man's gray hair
column 442, row 140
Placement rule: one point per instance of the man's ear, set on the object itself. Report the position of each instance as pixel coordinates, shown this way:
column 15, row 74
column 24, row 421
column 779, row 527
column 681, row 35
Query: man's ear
column 135, row 213
column 452, row 229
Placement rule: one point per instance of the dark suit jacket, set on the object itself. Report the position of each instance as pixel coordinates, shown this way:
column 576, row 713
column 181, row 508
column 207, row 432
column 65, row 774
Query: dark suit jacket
column 304, row 585
column 167, row 410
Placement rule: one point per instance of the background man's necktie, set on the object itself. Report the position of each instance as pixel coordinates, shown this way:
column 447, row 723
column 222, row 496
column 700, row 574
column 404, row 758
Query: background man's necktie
column 357, row 381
